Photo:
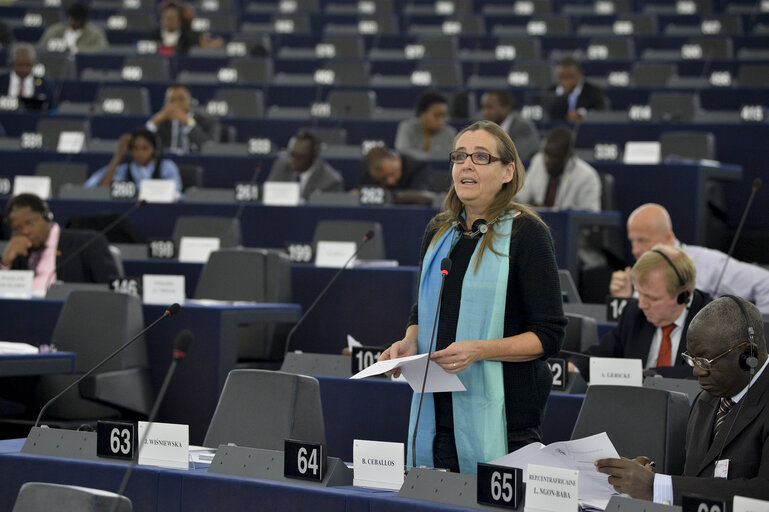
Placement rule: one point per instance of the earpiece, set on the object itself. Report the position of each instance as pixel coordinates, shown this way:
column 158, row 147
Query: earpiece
column 683, row 297
column 748, row 359
column 47, row 213
column 480, row 227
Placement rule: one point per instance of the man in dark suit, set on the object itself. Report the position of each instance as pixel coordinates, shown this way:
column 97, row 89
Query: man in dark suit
column 304, row 165
column 498, row 107
column 38, row 243
column 34, row 92
column 727, row 438
column 654, row 328
column 574, row 96
column 182, row 129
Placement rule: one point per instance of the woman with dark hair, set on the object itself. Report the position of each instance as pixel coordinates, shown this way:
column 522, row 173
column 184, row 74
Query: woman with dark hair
column 175, row 33
column 145, row 162
column 427, row 132
column 500, row 316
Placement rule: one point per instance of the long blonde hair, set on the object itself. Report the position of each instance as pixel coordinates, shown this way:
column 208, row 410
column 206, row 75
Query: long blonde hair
column 504, row 200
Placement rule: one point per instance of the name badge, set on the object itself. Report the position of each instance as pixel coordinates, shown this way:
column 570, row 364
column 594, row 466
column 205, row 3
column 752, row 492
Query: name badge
column 743, row 504
column 166, row 445
column 378, row 464
column 642, row 153
column 616, row 371
column 278, row 193
column 16, row 284
column 70, row 142
column 722, row 469
column 551, row 489
column 158, row 191
column 197, row 249
column 163, row 289
column 38, row 185
column 333, row 254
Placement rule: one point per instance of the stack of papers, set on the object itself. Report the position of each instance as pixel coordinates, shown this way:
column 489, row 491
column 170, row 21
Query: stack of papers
column 413, row 369
column 10, row 347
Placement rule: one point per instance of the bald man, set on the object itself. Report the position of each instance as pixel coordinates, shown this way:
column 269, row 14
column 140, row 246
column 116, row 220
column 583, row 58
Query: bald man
column 650, row 224
column 35, row 92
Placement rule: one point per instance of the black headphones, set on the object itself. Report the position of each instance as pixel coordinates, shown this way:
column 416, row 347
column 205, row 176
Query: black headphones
column 35, row 203
column 683, row 297
column 748, row 359
column 480, row 227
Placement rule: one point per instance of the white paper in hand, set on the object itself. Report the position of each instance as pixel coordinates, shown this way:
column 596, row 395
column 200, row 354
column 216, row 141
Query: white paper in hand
column 413, row 369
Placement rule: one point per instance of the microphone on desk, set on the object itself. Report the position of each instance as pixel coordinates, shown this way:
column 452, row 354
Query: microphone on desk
column 756, row 185
column 91, row 240
column 368, row 236
column 181, row 345
column 168, row 312
column 445, row 269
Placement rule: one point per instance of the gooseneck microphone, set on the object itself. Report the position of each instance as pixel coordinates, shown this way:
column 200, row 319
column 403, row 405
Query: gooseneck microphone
column 756, row 185
column 181, row 345
column 445, row 269
column 95, row 237
column 168, row 312
column 368, row 236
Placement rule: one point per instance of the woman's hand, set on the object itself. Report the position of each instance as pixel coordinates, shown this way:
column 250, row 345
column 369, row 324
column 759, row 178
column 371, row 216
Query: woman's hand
column 122, row 145
column 406, row 347
column 458, row 356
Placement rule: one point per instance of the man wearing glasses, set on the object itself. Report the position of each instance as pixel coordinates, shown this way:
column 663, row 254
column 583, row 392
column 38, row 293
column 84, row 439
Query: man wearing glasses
column 727, row 438
column 654, row 328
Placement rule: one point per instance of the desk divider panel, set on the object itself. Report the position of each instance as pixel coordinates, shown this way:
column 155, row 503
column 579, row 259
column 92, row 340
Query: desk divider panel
column 444, row 487
column 56, row 442
column 623, row 504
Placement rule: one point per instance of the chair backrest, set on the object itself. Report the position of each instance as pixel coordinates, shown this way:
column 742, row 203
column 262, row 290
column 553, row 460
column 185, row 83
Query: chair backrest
column 581, row 332
column 526, row 48
column 645, row 74
column 259, row 275
column 753, row 75
column 618, row 49
column 50, row 129
column 253, row 71
column 352, row 73
column 568, row 287
column 444, row 74
column 696, row 145
column 440, row 47
column 226, row 229
column 714, row 48
column 674, row 106
column 638, row 421
column 192, row 175
column 690, row 387
column 261, row 409
column 346, row 47
column 352, row 231
column 241, row 102
column 540, row 74
column 58, row 67
column 135, row 100
column 327, row 134
column 118, row 257
column 154, row 69
column 61, row 173
column 352, row 104
column 37, row 496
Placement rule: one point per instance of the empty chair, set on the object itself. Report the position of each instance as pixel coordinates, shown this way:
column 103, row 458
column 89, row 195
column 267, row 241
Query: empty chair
column 226, row 229
column 536, row 7
column 439, row 47
column 352, row 231
column 61, row 173
column 192, row 175
column 640, row 24
column 526, row 48
column 37, row 496
column 617, row 48
column 290, row 23
column 346, row 47
column 690, row 387
column 214, row 22
column 253, row 71
column 352, row 104
column 350, row 73
column 674, row 106
column 261, row 409
column 714, row 48
column 153, row 69
column 124, row 383
column 444, row 74
column 694, row 145
column 57, row 66
column 581, row 332
column 328, row 135
column 658, row 433
column 247, row 103
column 138, row 20
column 753, row 75
column 568, row 288
column 122, row 100
column 538, row 74
column 651, row 75
column 51, row 128
column 608, row 192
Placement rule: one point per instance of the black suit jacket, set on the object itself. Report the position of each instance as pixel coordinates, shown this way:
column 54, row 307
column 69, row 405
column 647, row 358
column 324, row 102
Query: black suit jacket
column 592, row 97
column 206, row 128
column 45, row 91
column 746, row 447
column 94, row 265
column 632, row 336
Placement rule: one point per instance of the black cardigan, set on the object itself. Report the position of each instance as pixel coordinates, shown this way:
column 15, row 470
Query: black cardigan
column 533, row 304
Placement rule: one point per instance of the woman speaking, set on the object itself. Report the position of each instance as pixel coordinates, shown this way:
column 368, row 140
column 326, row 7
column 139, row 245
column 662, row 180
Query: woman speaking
column 500, row 315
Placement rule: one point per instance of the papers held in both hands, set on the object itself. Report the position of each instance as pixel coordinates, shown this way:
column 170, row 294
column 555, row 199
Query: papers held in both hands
column 413, row 369
column 579, row 454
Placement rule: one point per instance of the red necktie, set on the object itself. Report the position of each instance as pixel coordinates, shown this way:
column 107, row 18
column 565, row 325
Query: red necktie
column 666, row 347
column 21, row 88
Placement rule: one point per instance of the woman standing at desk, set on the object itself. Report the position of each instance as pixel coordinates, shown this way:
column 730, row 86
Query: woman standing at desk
column 500, row 316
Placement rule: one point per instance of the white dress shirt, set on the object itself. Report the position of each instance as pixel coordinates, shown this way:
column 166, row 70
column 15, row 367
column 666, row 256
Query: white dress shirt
column 14, row 83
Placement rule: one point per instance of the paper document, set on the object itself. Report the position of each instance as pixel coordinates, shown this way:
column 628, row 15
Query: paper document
column 413, row 369
column 11, row 347
column 579, row 454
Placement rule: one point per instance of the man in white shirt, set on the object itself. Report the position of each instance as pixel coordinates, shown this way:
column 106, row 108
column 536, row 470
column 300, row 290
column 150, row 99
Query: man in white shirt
column 34, row 92
column 727, row 445
column 650, row 224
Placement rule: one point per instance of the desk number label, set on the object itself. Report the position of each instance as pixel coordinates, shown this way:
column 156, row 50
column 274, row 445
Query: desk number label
column 5, row 186
column 115, row 439
column 246, row 192
column 700, row 504
column 372, row 195
column 299, row 253
column 363, row 357
column 614, row 308
column 162, row 249
column 122, row 190
column 500, row 486
column 304, row 460
column 560, row 372
column 127, row 285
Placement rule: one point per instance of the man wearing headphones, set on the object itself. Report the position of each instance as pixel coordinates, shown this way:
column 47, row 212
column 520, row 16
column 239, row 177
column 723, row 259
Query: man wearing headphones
column 654, row 328
column 557, row 178
column 727, row 437
column 34, row 92
column 304, row 165
column 38, row 243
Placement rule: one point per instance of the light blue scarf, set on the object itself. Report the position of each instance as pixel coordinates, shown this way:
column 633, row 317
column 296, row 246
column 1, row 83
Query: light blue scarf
column 480, row 427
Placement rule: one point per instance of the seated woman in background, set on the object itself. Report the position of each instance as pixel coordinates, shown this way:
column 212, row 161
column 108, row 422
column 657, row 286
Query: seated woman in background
column 146, row 162
column 427, row 133
column 175, row 33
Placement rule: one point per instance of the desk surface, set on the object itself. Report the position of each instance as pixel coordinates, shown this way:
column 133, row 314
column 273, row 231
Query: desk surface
column 17, row 365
